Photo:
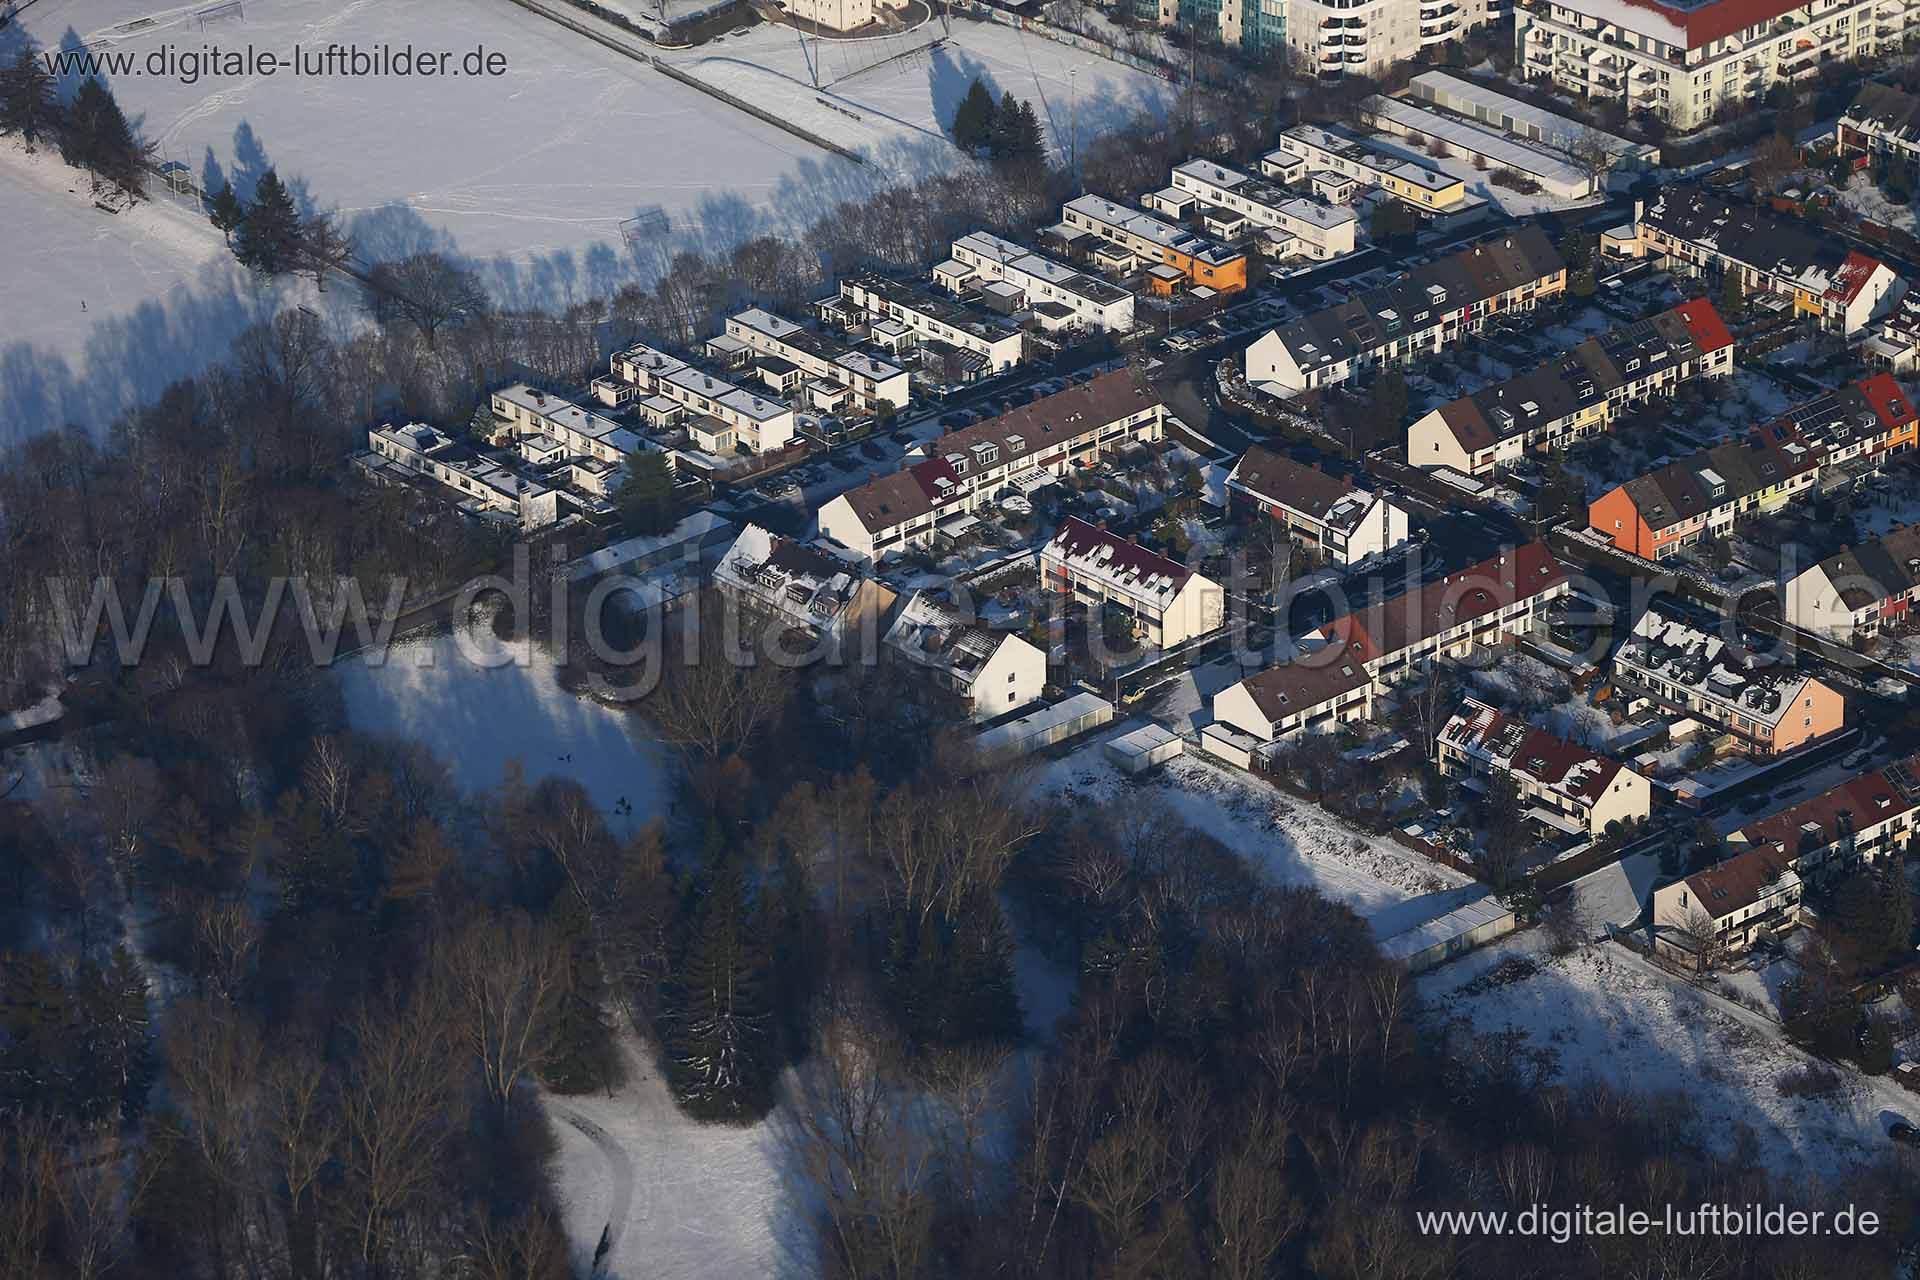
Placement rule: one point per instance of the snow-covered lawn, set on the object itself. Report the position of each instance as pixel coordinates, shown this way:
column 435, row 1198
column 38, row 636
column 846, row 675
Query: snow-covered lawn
column 1611, row 1015
column 99, row 311
column 478, row 718
column 1288, row 841
column 679, row 1200
column 1864, row 197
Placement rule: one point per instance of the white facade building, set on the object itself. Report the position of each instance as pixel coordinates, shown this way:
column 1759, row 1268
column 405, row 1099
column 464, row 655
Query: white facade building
column 1321, row 231
column 759, row 422
column 980, row 257
column 1365, row 37
column 1169, row 603
column 992, row 672
column 873, row 382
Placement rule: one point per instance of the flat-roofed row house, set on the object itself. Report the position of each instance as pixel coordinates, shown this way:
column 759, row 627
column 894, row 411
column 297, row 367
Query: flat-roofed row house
column 1198, row 260
column 1494, row 602
column 1167, row 602
column 1313, row 230
column 1576, row 395
column 986, row 342
column 1430, row 308
column 964, row 469
column 1762, row 707
column 718, row 414
column 482, row 484
column 1016, row 277
column 1329, row 516
column 1849, row 431
column 1696, row 231
column 836, row 371
column 1318, row 156
column 1565, row 786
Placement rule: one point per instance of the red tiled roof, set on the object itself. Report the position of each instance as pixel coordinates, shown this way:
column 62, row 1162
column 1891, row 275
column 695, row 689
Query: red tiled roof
column 1452, row 601
column 1888, row 400
column 1078, row 540
column 1854, row 805
column 1852, row 276
column 1712, row 22
column 1738, row 882
column 1708, row 331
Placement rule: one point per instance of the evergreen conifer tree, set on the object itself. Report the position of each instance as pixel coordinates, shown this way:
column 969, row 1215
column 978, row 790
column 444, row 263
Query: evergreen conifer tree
column 718, row 1047
column 973, row 119
column 115, row 1064
column 28, row 104
column 268, row 234
column 98, row 139
column 226, row 212
column 581, row 1058
column 36, row 1033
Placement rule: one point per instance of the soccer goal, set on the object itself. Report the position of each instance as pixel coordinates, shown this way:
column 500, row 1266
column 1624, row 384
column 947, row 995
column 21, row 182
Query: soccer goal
column 650, row 226
column 225, row 14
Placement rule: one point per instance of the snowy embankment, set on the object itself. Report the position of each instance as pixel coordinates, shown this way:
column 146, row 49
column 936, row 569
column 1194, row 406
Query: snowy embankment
column 1611, row 1015
column 1288, row 841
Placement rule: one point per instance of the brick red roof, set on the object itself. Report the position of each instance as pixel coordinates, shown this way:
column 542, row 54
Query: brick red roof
column 1854, row 805
column 1459, row 598
column 1709, row 22
column 1076, row 540
column 1704, row 325
column 1852, row 276
column 1737, row 883
column 1887, row 400
column 1551, row 761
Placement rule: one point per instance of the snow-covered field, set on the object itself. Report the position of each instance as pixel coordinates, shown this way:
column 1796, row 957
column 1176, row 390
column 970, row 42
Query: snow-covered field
column 1289, row 841
column 478, row 718
column 529, row 175
column 679, row 1200
column 99, row 311
column 1611, row 1015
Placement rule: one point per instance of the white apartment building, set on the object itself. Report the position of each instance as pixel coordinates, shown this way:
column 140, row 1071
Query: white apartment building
column 1365, row 37
column 1201, row 260
column 1320, row 231
column 980, row 258
column 758, row 421
column 1324, row 513
column 1167, row 602
column 873, row 382
column 1565, row 786
column 1330, row 158
column 965, row 469
column 999, row 344
column 991, row 672
column 1860, row 590
column 1685, row 63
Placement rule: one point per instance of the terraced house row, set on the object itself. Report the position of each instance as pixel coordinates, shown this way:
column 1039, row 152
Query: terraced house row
column 1427, row 310
column 1575, row 395
column 1696, row 232
column 964, row 469
column 1823, row 442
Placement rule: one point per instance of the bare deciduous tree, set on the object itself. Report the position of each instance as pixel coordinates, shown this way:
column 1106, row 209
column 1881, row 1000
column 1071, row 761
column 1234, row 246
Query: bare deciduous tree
column 504, row 976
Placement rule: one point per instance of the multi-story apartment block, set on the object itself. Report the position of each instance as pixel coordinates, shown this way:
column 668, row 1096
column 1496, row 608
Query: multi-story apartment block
column 1701, row 233
column 1198, row 259
column 1686, row 672
column 1254, row 26
column 1491, row 603
column 1314, row 693
column 1320, row 231
column 1076, row 299
column 676, row 389
column 994, row 342
column 1311, row 152
column 1758, row 890
column 1339, row 38
column 873, row 383
column 1575, row 395
column 1565, row 786
column 1430, row 308
column 991, row 672
column 1168, row 602
column 1852, row 429
column 1685, row 63
column 964, row 469
column 1859, row 591
column 1882, row 121
column 1324, row 513
column 482, row 484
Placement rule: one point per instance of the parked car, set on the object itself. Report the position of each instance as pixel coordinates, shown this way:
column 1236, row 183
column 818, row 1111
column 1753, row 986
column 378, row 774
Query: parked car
column 1904, row 1134
column 1854, row 759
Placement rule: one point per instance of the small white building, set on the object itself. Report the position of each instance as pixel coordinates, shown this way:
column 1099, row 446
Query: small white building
column 656, row 380
column 1455, row 933
column 1321, row 512
column 1046, row 727
column 1138, row 750
column 980, row 258
column 1314, row 693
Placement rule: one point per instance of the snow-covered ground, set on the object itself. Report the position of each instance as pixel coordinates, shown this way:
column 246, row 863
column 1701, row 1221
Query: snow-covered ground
column 1288, row 841
column 1611, row 1015
column 530, row 175
column 99, row 311
column 478, row 718
column 679, row 1200
column 1864, row 197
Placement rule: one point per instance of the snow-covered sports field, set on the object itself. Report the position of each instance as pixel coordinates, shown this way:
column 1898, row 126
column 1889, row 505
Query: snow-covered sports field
column 530, row 174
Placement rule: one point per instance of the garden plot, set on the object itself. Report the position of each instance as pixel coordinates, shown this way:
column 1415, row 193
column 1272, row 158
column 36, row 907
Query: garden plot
column 1288, row 841
column 1610, row 1015
column 1864, row 197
